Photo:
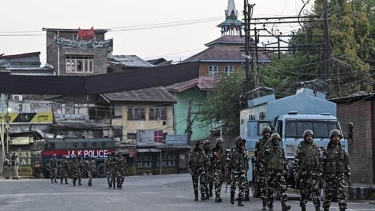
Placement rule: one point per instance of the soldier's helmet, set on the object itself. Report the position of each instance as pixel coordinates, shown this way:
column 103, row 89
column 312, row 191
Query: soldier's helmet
column 219, row 140
column 64, row 156
column 119, row 152
column 74, row 156
column 53, row 155
column 266, row 129
column 79, row 156
column 206, row 141
column 238, row 139
column 113, row 153
column 89, row 157
column 334, row 133
column 198, row 143
column 308, row 132
column 275, row 136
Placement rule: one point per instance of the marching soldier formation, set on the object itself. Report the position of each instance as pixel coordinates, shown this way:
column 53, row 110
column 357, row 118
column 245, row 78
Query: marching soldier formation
column 114, row 165
column 311, row 167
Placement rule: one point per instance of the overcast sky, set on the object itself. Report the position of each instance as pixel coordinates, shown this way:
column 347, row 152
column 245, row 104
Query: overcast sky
column 25, row 17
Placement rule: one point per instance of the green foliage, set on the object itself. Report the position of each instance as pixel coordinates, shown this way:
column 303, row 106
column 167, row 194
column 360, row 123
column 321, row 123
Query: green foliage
column 351, row 44
column 222, row 104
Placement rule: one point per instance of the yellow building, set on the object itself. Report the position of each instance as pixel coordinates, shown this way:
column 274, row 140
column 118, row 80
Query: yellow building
column 145, row 109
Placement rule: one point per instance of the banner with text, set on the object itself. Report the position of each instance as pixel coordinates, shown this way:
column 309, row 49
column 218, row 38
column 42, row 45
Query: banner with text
column 149, row 137
column 84, row 43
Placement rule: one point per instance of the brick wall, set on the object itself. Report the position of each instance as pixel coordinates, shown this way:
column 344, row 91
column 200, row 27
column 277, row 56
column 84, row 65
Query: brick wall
column 360, row 113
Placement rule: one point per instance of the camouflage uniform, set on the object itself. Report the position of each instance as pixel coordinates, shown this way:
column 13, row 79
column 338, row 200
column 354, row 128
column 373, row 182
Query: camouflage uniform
column 335, row 165
column 53, row 168
column 238, row 163
column 64, row 170
column 246, row 186
column 80, row 169
column 90, row 168
column 259, row 176
column 74, row 169
column 197, row 167
column 108, row 170
column 6, row 167
column 306, row 170
column 121, row 169
column 209, row 172
column 113, row 164
column 219, row 167
column 276, row 167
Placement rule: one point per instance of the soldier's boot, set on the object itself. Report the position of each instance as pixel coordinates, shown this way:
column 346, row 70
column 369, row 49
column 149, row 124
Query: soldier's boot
column 342, row 209
column 79, row 181
column 61, row 180
column 270, row 206
column 74, row 182
column 247, row 198
column 109, row 185
column 240, row 202
column 55, row 181
column 196, row 195
column 264, row 205
column 52, row 181
column 303, row 208
column 114, row 185
column 285, row 207
column 232, row 197
column 326, row 209
column 66, row 181
column 204, row 196
column 218, row 199
column 211, row 194
column 317, row 207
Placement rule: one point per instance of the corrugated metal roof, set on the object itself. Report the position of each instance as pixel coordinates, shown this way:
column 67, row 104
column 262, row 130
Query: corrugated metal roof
column 204, row 83
column 129, row 61
column 156, row 94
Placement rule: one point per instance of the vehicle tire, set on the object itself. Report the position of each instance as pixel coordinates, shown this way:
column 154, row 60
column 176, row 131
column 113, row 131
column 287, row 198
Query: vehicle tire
column 36, row 173
column 46, row 174
column 255, row 189
column 100, row 173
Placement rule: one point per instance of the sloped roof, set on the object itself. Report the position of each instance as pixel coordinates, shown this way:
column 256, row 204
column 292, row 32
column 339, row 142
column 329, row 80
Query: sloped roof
column 155, row 94
column 17, row 56
column 128, row 61
column 227, row 39
column 204, row 83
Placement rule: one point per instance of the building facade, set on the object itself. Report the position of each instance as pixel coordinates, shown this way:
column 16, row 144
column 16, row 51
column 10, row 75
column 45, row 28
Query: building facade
column 76, row 52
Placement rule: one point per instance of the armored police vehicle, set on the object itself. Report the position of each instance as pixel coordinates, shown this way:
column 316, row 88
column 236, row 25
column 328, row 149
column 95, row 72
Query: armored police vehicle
column 97, row 148
column 290, row 117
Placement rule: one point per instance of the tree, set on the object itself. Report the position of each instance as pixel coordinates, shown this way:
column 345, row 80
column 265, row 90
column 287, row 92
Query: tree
column 222, row 104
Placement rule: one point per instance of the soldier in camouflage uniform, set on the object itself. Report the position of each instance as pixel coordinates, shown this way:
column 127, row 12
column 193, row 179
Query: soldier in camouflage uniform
column 209, row 170
column 53, row 168
column 246, row 183
column 113, row 164
column 335, row 165
column 80, row 169
column 121, row 169
column 64, row 169
column 306, row 170
column 219, row 166
column 108, row 170
column 276, row 167
column 238, row 163
column 259, row 174
column 90, row 167
column 74, row 169
column 197, row 167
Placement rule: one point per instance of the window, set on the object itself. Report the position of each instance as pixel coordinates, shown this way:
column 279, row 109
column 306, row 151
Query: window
column 321, row 128
column 136, row 113
column 228, row 70
column 69, row 108
column 157, row 113
column 79, row 64
column 213, row 70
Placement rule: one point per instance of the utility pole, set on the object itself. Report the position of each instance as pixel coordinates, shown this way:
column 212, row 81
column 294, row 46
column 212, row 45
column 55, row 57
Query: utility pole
column 247, row 34
column 327, row 53
column 278, row 47
column 256, row 80
column 188, row 121
column 2, row 131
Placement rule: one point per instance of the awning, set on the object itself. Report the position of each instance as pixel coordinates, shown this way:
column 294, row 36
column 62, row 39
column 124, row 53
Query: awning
column 148, row 150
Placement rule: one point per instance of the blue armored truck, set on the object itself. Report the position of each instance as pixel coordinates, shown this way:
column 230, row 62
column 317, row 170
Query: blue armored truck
column 290, row 117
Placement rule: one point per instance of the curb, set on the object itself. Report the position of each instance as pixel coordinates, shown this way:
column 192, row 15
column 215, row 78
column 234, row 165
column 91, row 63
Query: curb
column 360, row 193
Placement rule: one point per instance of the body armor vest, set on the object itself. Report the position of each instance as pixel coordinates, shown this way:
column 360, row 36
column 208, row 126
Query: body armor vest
column 197, row 159
column 262, row 148
column 310, row 156
column 335, row 160
column 276, row 160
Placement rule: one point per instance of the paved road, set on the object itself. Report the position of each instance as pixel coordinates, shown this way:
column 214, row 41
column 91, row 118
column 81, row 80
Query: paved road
column 143, row 193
